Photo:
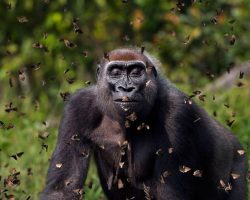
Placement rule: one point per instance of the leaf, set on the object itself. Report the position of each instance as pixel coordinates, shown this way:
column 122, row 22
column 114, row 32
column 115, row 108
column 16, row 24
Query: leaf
column 78, row 192
column 170, row 150
column 186, row 40
column 10, row 82
column 9, row 108
column 75, row 137
column 197, row 92
column 230, row 123
column 36, row 66
column 159, row 152
column 222, row 184
column 37, row 105
column 10, row 126
column 22, row 19
column 43, row 135
column 142, row 49
column 148, row 83
column 59, row 165
column 232, row 40
column 84, row 154
column 196, row 120
column 29, row 172
column 67, row 182
column 210, row 75
column 241, row 75
column 17, row 155
column 132, row 117
column 142, row 126
column 121, row 164
column 162, row 179
column 125, row 98
column 202, row 97
column 90, row 185
column 28, row 198
column 8, row 6
column 235, row 176
column 197, row 173
column 1, row 125
column 106, row 55
column 44, row 147
column 225, row 187
column 146, row 190
column 68, row 44
column 70, row 80
column 85, row 54
column 65, row 96
column 184, row 169
column 240, row 84
column 166, row 174
column 37, row 45
column 120, row 184
column 12, row 179
column 241, row 152
column 231, row 21
column 76, row 27
column 127, row 124
column 126, row 38
column 21, row 75
column 187, row 101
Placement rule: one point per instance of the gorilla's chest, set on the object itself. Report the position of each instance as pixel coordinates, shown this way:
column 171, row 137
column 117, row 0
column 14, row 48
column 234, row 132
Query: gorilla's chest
column 126, row 166
column 123, row 158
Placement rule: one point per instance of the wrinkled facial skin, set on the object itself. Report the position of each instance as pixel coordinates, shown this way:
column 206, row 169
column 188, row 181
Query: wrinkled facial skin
column 126, row 81
column 127, row 85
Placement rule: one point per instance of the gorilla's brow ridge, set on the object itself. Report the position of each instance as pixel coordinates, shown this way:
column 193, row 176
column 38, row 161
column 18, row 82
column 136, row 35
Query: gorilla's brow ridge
column 127, row 63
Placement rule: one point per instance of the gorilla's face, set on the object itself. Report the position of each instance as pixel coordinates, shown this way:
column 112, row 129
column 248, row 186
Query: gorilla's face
column 129, row 83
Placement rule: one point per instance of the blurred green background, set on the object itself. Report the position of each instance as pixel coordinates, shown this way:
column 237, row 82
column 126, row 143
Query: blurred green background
column 48, row 49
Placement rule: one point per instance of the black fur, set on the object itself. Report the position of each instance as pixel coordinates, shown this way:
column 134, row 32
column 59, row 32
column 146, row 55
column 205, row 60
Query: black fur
column 145, row 163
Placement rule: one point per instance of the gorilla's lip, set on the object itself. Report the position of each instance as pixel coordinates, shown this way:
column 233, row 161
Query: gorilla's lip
column 127, row 101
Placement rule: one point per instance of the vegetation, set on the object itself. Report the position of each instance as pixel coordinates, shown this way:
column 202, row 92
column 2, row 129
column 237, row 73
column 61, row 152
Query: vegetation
column 49, row 49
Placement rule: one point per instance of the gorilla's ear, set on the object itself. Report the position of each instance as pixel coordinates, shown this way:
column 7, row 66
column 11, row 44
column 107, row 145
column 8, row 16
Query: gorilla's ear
column 97, row 71
column 154, row 71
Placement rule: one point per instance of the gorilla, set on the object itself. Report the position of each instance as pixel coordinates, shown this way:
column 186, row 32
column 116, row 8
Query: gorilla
column 149, row 140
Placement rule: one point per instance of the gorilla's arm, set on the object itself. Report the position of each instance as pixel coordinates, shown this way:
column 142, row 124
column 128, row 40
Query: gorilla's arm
column 69, row 163
column 200, row 143
column 239, row 167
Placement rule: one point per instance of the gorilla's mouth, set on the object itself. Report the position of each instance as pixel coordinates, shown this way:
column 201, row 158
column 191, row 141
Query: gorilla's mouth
column 121, row 101
column 128, row 105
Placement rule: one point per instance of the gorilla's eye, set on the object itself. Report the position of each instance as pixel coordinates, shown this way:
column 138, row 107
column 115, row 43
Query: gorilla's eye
column 114, row 72
column 135, row 72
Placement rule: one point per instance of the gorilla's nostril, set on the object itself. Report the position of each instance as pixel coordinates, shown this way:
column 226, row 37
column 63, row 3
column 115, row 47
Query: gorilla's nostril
column 125, row 89
column 130, row 89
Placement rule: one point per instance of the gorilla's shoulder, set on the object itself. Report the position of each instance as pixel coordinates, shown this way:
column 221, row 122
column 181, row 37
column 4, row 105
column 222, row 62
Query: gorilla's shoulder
column 83, row 100
column 84, row 94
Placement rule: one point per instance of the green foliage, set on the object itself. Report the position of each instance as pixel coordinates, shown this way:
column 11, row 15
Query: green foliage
column 43, row 55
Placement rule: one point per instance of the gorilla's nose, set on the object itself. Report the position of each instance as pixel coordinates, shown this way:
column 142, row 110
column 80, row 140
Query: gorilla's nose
column 127, row 89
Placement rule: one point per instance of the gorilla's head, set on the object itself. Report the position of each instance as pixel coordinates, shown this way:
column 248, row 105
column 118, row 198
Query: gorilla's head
column 126, row 83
